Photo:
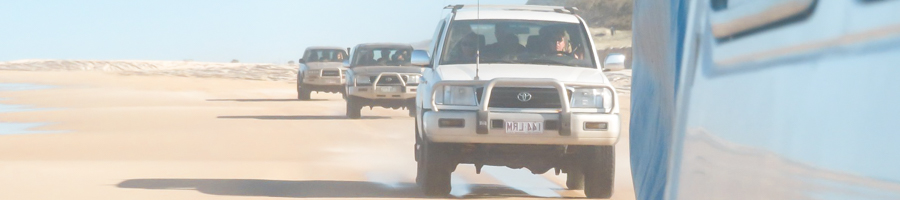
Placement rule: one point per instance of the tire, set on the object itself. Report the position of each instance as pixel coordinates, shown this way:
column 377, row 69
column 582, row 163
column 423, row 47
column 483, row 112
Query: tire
column 433, row 170
column 412, row 108
column 303, row 93
column 575, row 179
column 599, row 171
column 353, row 108
column 417, row 153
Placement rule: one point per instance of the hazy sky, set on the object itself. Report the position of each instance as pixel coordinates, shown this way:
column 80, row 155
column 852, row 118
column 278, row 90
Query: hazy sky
column 270, row 31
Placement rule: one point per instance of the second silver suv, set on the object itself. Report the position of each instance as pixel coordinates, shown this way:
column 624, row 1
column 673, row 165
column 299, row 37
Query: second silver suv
column 321, row 71
column 381, row 75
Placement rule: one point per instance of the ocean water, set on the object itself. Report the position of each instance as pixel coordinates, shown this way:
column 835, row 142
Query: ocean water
column 9, row 128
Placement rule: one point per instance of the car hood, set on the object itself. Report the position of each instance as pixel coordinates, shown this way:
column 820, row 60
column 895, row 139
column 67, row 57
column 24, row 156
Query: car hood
column 375, row 70
column 324, row 65
column 491, row 71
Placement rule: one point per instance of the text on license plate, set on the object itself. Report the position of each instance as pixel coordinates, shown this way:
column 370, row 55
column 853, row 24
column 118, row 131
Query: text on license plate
column 388, row 89
column 524, row 127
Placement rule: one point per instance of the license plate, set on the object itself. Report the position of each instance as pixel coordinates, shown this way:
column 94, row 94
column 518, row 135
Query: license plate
column 388, row 89
column 331, row 81
column 525, row 127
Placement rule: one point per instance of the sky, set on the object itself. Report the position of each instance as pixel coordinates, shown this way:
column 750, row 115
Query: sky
column 259, row 31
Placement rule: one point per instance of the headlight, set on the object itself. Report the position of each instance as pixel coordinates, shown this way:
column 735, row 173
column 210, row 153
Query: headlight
column 412, row 80
column 456, row 95
column 363, row 79
column 592, row 98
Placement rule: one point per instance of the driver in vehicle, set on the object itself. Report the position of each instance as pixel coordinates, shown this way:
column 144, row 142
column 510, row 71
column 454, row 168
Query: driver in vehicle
column 400, row 58
column 558, row 44
column 465, row 50
column 339, row 57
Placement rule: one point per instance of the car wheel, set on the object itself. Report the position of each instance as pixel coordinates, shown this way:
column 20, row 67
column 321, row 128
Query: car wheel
column 416, row 147
column 433, row 172
column 353, row 108
column 599, row 171
column 575, row 179
column 303, row 93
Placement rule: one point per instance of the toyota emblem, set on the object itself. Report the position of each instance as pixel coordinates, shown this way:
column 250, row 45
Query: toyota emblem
column 389, row 79
column 524, row 96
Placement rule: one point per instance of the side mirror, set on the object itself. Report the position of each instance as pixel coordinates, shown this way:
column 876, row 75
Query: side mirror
column 302, row 61
column 420, row 58
column 614, row 62
column 346, row 63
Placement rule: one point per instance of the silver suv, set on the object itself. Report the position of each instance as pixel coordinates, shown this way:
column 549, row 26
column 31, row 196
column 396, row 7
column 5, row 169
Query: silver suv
column 381, row 75
column 321, row 70
column 522, row 88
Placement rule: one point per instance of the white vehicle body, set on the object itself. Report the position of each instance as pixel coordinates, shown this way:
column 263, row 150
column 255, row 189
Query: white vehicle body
column 543, row 104
column 547, row 75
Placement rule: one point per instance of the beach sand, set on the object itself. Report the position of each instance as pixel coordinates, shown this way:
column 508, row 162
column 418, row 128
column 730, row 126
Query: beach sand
column 114, row 135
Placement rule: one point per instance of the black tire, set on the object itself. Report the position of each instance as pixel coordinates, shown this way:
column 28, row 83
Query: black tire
column 417, row 153
column 433, row 170
column 599, row 171
column 353, row 108
column 412, row 107
column 303, row 93
column 575, row 179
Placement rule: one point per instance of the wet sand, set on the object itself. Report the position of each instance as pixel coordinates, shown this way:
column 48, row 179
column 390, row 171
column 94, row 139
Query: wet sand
column 166, row 137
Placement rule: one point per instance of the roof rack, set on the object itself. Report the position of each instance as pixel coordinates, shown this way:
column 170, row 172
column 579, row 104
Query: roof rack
column 559, row 9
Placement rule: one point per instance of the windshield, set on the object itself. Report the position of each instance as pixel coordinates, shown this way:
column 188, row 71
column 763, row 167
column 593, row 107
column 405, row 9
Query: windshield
column 385, row 56
column 516, row 41
column 325, row 55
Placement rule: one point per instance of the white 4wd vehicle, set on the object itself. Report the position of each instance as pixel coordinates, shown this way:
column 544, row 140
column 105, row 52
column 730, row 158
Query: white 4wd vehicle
column 515, row 86
column 381, row 75
column 321, row 70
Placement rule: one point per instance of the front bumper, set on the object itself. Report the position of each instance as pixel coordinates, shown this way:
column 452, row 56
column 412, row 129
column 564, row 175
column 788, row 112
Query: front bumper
column 561, row 126
column 399, row 91
column 376, row 92
column 577, row 134
column 325, row 81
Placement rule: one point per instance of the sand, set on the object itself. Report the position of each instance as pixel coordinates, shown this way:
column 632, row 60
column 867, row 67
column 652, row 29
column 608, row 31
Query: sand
column 157, row 136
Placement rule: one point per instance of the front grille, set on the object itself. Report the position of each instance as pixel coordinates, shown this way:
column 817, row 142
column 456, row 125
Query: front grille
column 507, row 97
column 331, row 72
column 388, row 80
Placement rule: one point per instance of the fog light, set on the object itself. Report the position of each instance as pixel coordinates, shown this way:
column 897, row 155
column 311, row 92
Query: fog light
column 451, row 123
column 594, row 126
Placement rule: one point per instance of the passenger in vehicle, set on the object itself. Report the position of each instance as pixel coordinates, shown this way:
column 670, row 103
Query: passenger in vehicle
column 506, row 47
column 325, row 57
column 385, row 57
column 313, row 57
column 536, row 43
column 464, row 45
column 366, row 58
